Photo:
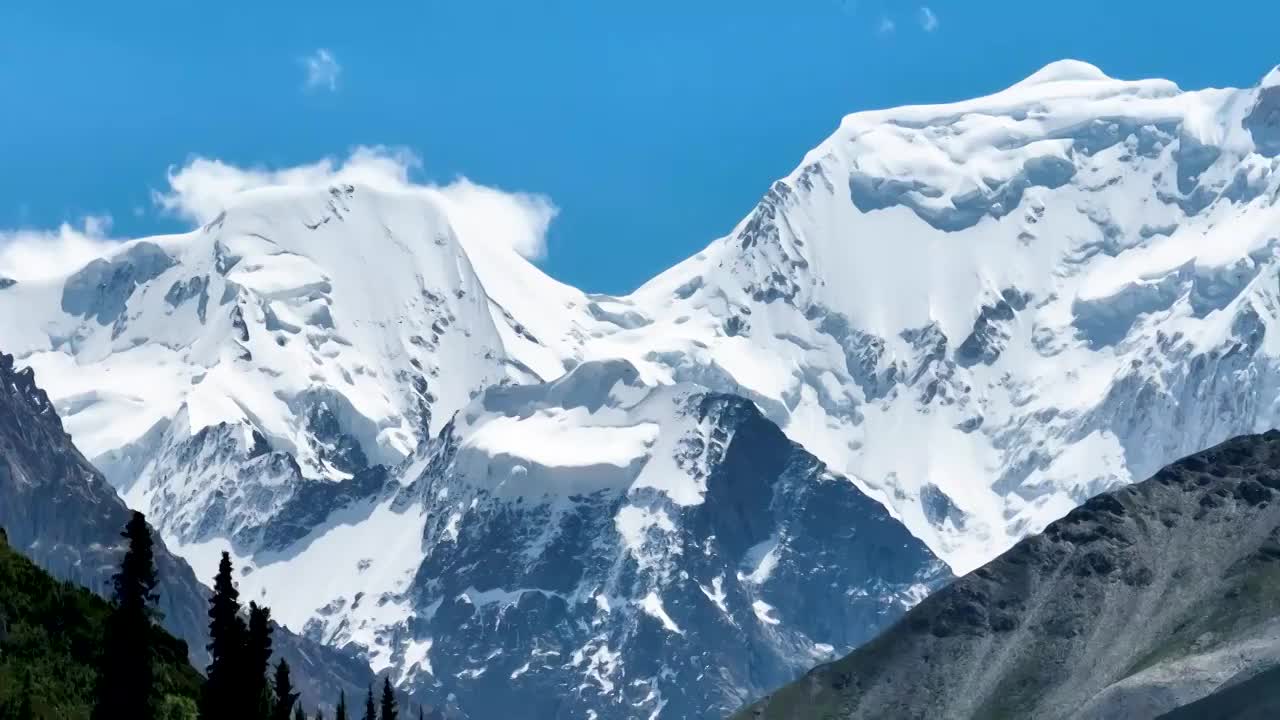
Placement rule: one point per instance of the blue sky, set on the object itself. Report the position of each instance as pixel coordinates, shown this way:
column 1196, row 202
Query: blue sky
column 652, row 126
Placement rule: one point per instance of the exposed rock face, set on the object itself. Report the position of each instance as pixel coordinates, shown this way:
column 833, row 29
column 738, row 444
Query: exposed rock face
column 1140, row 601
column 631, row 601
column 638, row 551
column 57, row 509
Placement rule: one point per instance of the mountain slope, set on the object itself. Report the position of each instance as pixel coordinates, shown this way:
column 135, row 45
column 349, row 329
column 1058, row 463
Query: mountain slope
column 51, row 636
column 1256, row 698
column 58, row 510
column 595, row 547
column 1141, row 600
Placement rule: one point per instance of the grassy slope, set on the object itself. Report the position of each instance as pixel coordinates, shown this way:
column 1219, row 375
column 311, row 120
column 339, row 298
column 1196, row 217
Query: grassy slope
column 52, row 631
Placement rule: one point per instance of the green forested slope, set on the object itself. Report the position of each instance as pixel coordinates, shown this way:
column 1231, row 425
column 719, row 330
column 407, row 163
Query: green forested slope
column 50, row 641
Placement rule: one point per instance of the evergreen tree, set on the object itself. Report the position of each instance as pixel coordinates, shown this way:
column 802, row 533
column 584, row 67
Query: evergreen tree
column 298, row 713
column 256, row 688
column 125, row 685
column 388, row 701
column 223, row 695
column 285, row 695
column 370, row 711
column 26, row 699
column 341, row 712
column 319, row 714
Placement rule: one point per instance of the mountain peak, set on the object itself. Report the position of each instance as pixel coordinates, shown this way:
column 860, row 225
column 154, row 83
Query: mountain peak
column 1271, row 79
column 1067, row 70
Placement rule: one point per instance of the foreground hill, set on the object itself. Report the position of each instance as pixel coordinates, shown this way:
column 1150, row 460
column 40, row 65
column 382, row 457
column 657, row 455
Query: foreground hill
column 1138, row 602
column 51, row 637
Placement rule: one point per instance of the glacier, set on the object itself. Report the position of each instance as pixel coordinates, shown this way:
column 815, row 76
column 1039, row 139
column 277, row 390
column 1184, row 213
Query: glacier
column 965, row 320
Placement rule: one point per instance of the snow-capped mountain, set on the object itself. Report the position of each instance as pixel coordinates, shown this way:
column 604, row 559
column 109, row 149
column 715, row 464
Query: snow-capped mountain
column 301, row 336
column 978, row 314
column 988, row 311
column 596, row 546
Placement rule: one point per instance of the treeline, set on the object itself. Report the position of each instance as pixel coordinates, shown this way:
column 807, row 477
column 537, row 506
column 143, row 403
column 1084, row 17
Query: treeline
column 52, row 643
column 134, row 678
column 240, row 682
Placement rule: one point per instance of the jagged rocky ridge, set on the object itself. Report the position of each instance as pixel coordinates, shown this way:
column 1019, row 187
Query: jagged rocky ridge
column 57, row 509
column 647, row 551
column 1140, row 601
column 634, row 596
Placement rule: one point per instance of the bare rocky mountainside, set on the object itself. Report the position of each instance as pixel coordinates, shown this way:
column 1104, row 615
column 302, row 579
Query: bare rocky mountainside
column 1139, row 602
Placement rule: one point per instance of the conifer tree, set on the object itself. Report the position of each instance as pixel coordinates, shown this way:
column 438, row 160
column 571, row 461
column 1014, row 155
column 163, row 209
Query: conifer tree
column 125, row 685
column 223, row 696
column 298, row 713
column 285, row 695
column 319, row 714
column 26, row 700
column 257, row 663
column 388, row 701
column 341, row 712
column 370, row 711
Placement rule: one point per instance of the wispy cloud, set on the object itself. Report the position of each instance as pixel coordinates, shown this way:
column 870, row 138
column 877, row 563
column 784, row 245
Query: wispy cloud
column 33, row 255
column 483, row 217
column 928, row 19
column 886, row 25
column 322, row 70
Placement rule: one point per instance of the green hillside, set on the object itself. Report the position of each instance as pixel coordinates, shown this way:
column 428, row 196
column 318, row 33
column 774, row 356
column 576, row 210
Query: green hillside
column 50, row 640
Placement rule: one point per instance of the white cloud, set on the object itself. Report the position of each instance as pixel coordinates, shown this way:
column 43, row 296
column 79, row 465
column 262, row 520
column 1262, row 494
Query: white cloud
column 33, row 255
column 928, row 20
column 483, row 217
column 516, row 220
column 886, row 25
column 201, row 189
column 322, row 70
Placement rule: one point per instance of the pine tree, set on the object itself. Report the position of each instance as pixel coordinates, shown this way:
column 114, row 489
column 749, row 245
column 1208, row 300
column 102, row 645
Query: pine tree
column 341, row 712
column 257, row 663
column 26, row 699
column 125, row 685
column 285, row 695
column 370, row 711
column 298, row 713
column 319, row 714
column 223, row 695
column 388, row 701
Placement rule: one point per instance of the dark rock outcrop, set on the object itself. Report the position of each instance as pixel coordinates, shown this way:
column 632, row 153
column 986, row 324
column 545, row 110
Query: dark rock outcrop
column 542, row 610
